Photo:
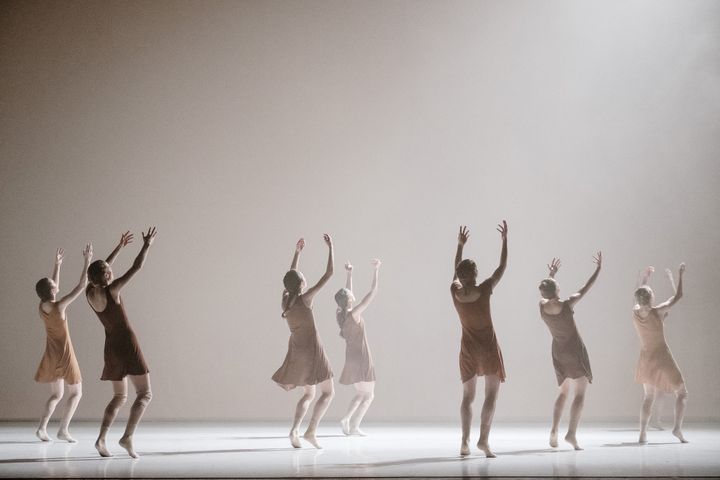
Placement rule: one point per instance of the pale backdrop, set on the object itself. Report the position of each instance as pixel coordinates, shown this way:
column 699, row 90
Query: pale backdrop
column 237, row 127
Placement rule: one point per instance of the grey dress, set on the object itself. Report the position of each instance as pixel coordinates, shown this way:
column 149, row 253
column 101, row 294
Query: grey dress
column 358, row 360
column 569, row 355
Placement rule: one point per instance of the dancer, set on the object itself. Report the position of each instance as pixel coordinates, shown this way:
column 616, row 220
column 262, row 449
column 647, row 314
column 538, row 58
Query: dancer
column 123, row 357
column 359, row 370
column 656, row 369
column 569, row 355
column 480, row 353
column 58, row 366
column 305, row 364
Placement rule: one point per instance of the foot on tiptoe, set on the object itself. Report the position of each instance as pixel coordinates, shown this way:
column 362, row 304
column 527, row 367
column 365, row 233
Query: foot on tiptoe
column 464, row 449
column 65, row 435
column 572, row 441
column 486, row 449
column 643, row 438
column 295, row 439
column 126, row 443
column 553, row 439
column 357, row 432
column 101, row 448
column 41, row 433
column 310, row 437
column 678, row 433
column 345, row 426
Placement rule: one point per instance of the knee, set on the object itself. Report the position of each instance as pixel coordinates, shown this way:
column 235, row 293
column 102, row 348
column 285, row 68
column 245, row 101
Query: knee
column 328, row 395
column 579, row 397
column 369, row 397
column 144, row 397
column 75, row 395
column 682, row 394
column 118, row 400
column 649, row 398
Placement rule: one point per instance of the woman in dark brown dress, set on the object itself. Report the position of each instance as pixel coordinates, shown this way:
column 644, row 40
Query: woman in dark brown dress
column 657, row 370
column 569, row 355
column 58, row 366
column 123, row 357
column 306, row 364
column 480, row 353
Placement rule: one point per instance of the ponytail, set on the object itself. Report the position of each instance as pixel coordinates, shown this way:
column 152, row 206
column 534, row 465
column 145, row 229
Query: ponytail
column 341, row 316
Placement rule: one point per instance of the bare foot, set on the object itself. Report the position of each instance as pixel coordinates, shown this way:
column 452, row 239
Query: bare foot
column 345, row 426
column 678, row 433
column 101, row 448
column 126, row 443
column 295, row 439
column 643, row 438
column 656, row 425
column 65, row 435
column 486, row 449
column 310, row 437
column 464, row 449
column 41, row 433
column 572, row 441
column 357, row 432
column 553, row 439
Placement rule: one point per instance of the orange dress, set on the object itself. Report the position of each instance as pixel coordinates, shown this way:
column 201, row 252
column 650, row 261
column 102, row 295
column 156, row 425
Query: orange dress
column 656, row 365
column 58, row 361
column 479, row 350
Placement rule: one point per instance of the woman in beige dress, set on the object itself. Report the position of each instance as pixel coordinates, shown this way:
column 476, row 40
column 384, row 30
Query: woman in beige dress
column 480, row 353
column 359, row 370
column 58, row 366
column 656, row 368
column 569, row 355
column 306, row 364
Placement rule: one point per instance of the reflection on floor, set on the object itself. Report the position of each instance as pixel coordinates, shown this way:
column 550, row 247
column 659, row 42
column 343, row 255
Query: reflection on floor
column 236, row 450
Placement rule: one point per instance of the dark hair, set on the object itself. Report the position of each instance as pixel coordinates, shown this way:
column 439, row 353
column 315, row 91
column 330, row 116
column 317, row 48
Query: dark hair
column 643, row 295
column 548, row 288
column 341, row 298
column 43, row 288
column 466, row 270
column 95, row 272
column 292, row 282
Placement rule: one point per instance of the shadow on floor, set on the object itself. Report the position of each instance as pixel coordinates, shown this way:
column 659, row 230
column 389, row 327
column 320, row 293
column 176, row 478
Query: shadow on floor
column 25, row 442
column 636, row 444
column 409, row 461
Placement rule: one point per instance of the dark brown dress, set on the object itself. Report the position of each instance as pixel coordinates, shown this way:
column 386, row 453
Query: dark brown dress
column 656, row 365
column 122, row 351
column 58, row 361
column 305, row 362
column 479, row 350
column 569, row 355
column 358, row 360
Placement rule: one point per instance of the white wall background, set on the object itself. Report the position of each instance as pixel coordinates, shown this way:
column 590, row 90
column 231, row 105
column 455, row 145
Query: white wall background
column 237, row 127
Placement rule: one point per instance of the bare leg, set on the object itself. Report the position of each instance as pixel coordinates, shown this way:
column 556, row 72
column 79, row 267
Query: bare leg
column 656, row 415
column 558, row 410
column 648, row 400
column 576, row 411
column 56, row 393
column 74, row 396
column 354, row 404
column 143, row 395
column 492, row 388
column 680, row 404
column 111, row 411
column 300, row 411
column 367, row 389
column 327, row 392
column 466, row 414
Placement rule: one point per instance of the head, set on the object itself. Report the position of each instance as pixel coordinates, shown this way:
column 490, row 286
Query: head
column 467, row 272
column 294, row 282
column 344, row 298
column 549, row 288
column 100, row 273
column 46, row 289
column 644, row 296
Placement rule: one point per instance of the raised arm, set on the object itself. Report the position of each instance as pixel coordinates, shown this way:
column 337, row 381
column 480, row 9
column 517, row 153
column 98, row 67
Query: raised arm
column 59, row 255
column 597, row 258
column 498, row 273
column 665, row 306
column 669, row 275
column 120, row 282
column 312, row 291
column 365, row 302
column 296, row 256
column 63, row 303
column 125, row 239
column 644, row 276
column 348, row 280
column 463, row 236
column 553, row 267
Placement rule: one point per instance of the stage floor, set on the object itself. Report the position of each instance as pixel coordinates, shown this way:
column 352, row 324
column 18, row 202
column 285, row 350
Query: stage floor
column 233, row 450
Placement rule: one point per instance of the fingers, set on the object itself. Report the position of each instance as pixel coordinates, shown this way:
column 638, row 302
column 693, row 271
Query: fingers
column 376, row 262
column 328, row 239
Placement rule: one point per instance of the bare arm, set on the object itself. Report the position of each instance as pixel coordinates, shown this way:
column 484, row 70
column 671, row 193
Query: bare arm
column 63, row 303
column 365, row 302
column 296, row 256
column 59, row 255
column 498, row 273
column 665, row 306
column 348, row 280
column 644, row 276
column 553, row 267
column 463, row 236
column 669, row 274
column 312, row 291
column 125, row 239
column 120, row 282
column 584, row 289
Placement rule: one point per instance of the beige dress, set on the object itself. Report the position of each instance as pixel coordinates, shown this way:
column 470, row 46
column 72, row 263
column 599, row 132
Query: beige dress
column 58, row 361
column 358, row 360
column 305, row 362
column 656, row 365
column 479, row 350
column 569, row 355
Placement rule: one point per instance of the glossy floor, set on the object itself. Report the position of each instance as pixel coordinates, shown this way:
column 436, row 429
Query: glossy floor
column 391, row 450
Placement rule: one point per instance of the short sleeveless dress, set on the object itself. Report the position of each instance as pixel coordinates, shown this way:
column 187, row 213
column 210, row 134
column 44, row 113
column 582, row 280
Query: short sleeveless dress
column 58, row 361
column 358, row 360
column 479, row 350
column 569, row 355
column 305, row 362
column 656, row 365
column 122, row 351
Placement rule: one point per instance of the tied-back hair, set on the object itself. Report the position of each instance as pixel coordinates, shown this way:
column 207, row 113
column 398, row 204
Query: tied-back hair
column 292, row 282
column 95, row 272
column 643, row 295
column 548, row 288
column 42, row 288
column 466, row 271
column 341, row 298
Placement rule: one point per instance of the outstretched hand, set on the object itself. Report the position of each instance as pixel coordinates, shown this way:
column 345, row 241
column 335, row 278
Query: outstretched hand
column 597, row 259
column 503, row 229
column 88, row 253
column 554, row 266
column 59, row 256
column 328, row 239
column 463, row 235
column 682, row 268
column 126, row 238
column 300, row 245
column 348, row 266
column 376, row 263
column 149, row 237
